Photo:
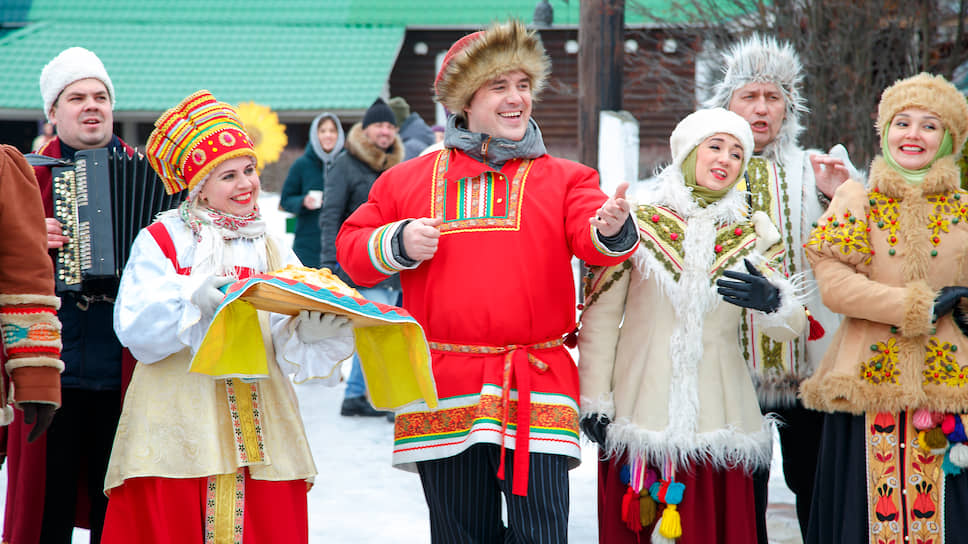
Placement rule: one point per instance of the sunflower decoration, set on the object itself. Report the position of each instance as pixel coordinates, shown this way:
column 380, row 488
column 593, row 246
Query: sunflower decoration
column 267, row 133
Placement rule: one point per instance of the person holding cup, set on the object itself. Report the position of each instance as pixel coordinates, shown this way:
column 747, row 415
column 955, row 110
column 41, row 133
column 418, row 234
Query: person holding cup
column 302, row 192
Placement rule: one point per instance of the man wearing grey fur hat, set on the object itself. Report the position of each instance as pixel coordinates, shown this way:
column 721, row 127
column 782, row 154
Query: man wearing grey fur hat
column 761, row 82
column 58, row 481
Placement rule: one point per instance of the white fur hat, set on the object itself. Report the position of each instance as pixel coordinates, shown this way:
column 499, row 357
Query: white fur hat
column 69, row 66
column 701, row 124
column 763, row 59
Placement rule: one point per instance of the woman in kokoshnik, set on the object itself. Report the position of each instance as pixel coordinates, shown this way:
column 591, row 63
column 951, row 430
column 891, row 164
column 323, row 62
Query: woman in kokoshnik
column 891, row 257
column 199, row 458
column 665, row 388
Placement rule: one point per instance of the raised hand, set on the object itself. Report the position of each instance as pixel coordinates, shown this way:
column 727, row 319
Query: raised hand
column 613, row 213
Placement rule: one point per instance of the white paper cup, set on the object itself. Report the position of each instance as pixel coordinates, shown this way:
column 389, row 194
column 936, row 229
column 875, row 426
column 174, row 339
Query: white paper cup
column 315, row 200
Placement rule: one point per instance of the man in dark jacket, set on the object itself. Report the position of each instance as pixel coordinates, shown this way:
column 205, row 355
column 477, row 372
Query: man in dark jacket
column 52, row 478
column 414, row 132
column 372, row 146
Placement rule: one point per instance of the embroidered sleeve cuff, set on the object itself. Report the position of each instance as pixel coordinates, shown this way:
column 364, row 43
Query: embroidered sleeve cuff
column 399, row 251
column 624, row 242
column 380, row 248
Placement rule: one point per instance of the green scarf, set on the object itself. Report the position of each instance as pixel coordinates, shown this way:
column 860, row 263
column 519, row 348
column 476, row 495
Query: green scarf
column 916, row 177
column 703, row 196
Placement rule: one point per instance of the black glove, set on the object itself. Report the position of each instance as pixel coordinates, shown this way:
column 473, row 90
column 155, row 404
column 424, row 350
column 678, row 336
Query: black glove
column 595, row 427
column 750, row 290
column 960, row 319
column 42, row 413
column 947, row 299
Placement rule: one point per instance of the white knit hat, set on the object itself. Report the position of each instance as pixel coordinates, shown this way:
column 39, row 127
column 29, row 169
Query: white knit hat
column 70, row 65
column 701, row 124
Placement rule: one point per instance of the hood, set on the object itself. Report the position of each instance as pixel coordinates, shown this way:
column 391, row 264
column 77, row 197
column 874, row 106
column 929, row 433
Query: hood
column 326, row 156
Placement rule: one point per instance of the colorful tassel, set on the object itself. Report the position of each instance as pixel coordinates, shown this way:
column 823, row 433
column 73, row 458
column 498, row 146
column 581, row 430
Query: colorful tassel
column 922, row 419
column 647, row 509
column 816, row 329
column 571, row 340
column 949, row 468
column 957, row 432
column 630, row 510
column 669, row 527
column 958, row 453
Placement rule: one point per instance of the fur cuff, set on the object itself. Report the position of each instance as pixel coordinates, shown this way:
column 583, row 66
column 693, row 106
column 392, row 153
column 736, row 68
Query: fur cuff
column 918, row 309
column 23, row 362
column 6, row 415
column 604, row 405
column 788, row 321
column 32, row 300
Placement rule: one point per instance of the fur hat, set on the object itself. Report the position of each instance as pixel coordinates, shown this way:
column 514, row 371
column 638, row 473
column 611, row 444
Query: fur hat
column 70, row 65
column 379, row 112
column 701, row 124
column 482, row 56
column 933, row 93
column 762, row 59
column 193, row 138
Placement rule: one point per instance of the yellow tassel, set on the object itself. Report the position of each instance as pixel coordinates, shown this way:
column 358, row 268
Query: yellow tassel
column 670, row 524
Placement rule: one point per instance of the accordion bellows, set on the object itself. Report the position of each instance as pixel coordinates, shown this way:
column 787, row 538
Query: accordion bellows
column 192, row 138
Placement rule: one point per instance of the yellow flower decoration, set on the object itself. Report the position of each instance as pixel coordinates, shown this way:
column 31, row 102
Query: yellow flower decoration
column 267, row 133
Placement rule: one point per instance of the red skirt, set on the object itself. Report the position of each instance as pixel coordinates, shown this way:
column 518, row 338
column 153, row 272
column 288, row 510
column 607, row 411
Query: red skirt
column 230, row 508
column 717, row 506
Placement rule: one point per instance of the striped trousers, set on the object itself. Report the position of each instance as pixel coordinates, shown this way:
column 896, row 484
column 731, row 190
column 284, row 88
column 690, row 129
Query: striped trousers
column 464, row 496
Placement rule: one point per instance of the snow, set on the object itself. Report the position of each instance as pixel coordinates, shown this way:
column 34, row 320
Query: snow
column 358, row 497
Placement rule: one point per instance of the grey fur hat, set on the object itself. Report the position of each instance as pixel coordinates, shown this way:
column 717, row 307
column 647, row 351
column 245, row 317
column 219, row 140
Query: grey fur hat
column 763, row 59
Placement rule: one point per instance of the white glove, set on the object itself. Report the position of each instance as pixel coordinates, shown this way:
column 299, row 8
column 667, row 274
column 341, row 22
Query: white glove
column 208, row 296
column 312, row 326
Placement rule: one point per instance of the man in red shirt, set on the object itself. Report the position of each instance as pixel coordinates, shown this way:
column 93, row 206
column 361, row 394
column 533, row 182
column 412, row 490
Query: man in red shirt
column 482, row 234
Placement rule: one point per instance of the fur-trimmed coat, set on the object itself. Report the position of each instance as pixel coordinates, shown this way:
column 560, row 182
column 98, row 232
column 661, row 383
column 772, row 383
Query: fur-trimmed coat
column 659, row 348
column 348, row 186
column 880, row 257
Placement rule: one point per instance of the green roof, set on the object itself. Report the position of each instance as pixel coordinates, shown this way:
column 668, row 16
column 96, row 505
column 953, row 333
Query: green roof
column 291, row 55
column 154, row 66
column 321, row 12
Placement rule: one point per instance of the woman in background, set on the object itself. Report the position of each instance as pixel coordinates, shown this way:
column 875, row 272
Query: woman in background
column 303, row 190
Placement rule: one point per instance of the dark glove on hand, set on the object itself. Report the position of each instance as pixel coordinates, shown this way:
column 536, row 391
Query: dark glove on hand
column 750, row 290
column 960, row 319
column 596, row 427
column 42, row 413
column 947, row 299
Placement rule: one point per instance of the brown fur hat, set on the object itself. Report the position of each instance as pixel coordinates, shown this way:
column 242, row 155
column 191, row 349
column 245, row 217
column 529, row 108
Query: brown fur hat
column 482, row 56
column 932, row 93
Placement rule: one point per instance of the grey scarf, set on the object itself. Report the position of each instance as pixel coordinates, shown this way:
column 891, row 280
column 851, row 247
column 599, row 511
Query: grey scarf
column 499, row 150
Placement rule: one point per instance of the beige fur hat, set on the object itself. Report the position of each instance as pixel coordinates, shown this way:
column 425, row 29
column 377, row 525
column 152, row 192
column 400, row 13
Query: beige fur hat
column 933, row 93
column 72, row 64
column 480, row 57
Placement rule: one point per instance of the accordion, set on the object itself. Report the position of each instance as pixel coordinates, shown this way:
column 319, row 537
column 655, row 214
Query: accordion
column 103, row 199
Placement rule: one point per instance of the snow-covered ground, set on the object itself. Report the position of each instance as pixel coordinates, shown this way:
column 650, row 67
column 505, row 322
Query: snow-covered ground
column 359, row 498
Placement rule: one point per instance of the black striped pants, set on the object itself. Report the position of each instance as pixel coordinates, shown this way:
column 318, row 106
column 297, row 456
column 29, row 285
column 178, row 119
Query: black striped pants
column 464, row 497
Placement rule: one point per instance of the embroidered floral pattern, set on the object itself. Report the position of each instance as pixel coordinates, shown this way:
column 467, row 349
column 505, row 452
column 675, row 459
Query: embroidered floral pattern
column 940, row 364
column 949, row 209
column 906, row 483
column 882, row 367
column 662, row 233
column 846, row 234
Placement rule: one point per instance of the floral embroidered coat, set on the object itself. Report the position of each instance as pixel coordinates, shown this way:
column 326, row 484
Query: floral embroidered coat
column 880, row 257
column 659, row 348
column 501, row 280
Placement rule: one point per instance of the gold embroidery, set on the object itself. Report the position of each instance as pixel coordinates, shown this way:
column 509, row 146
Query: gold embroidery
column 948, row 210
column 772, row 353
column 940, row 364
column 246, row 420
column 882, row 367
column 225, row 508
column 438, row 200
column 846, row 234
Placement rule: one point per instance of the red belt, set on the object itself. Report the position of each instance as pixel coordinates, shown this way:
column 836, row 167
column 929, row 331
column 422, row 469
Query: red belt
column 517, row 359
